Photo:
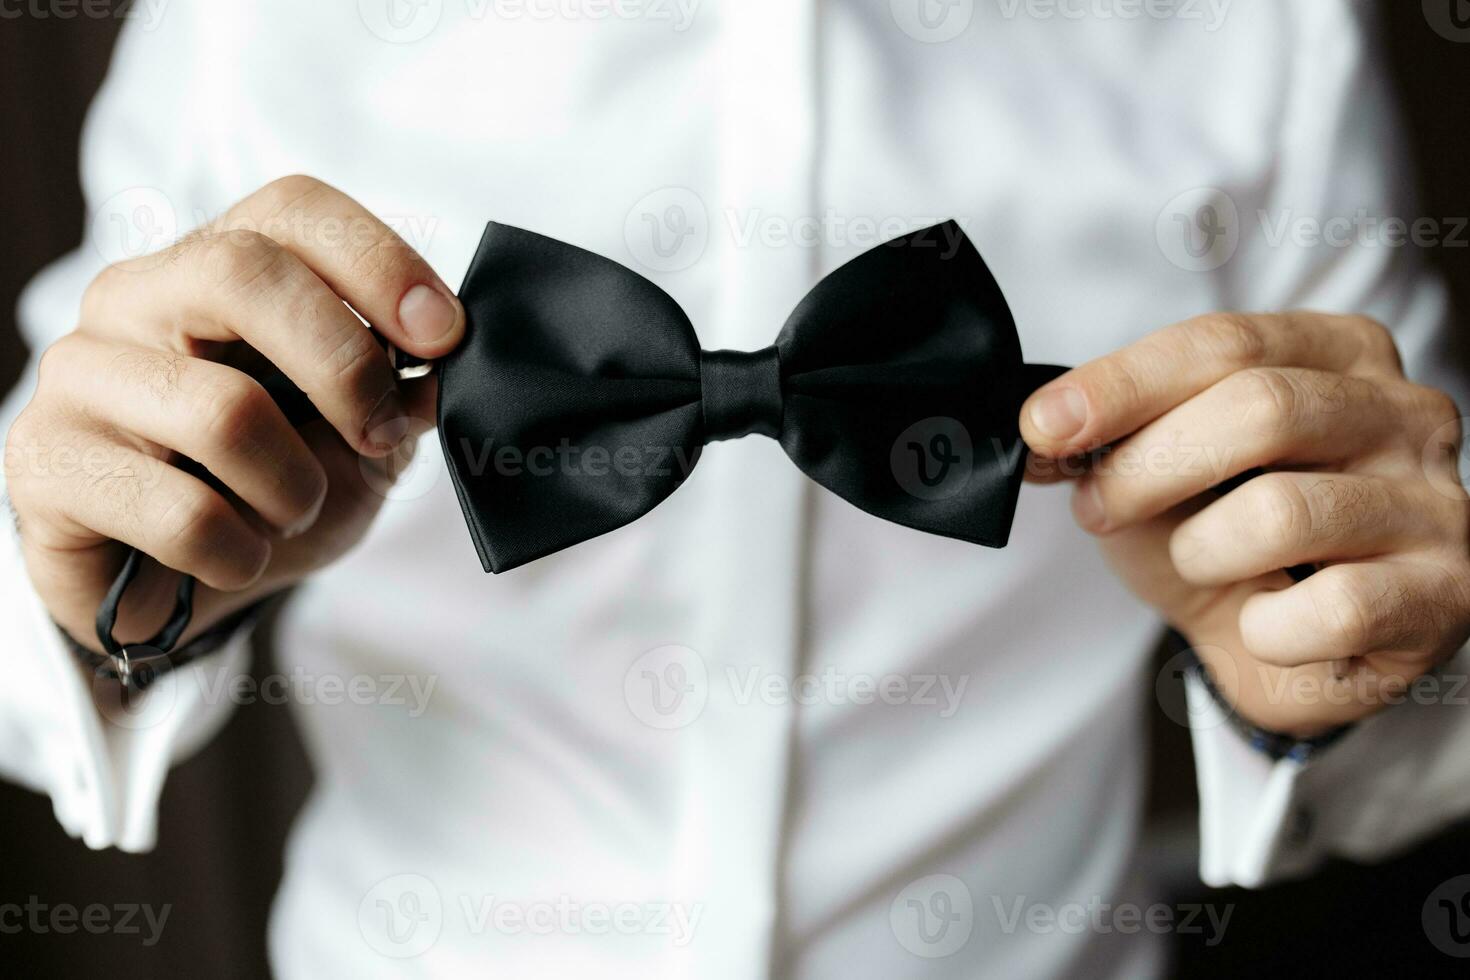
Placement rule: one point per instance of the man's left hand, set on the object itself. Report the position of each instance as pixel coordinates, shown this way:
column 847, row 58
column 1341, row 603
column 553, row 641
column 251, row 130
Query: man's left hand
column 1361, row 481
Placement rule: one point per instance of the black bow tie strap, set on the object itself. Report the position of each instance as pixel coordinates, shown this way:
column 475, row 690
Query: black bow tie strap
column 580, row 397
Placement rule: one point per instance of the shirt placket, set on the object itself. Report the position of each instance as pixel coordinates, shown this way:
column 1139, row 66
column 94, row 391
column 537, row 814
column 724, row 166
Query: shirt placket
column 753, row 539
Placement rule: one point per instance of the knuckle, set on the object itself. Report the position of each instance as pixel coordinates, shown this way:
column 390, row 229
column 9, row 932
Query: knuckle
column 1439, row 407
column 379, row 258
column 197, row 522
column 22, row 429
column 52, row 365
column 288, row 193
column 1230, row 337
column 1457, row 523
column 1345, row 612
column 1336, row 507
column 204, row 533
column 21, row 443
column 1377, row 339
column 96, row 297
column 1332, row 393
column 1277, row 511
column 1271, row 399
column 158, row 372
column 1113, row 383
column 122, row 485
column 233, row 411
column 242, row 259
column 353, row 362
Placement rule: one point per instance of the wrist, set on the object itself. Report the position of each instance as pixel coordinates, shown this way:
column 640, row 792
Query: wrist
column 1280, row 731
column 138, row 666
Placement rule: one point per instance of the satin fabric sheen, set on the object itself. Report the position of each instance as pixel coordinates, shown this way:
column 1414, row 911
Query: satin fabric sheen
column 580, row 398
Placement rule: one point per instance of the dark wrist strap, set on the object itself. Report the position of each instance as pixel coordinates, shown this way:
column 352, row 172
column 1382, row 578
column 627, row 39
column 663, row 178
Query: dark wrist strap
column 163, row 641
column 1277, row 745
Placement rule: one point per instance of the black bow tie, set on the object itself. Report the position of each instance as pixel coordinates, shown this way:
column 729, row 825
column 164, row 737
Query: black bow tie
column 580, row 398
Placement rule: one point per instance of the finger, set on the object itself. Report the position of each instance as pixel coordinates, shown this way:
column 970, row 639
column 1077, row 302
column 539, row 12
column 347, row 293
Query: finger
column 1045, row 471
column 1315, row 698
column 363, row 260
column 210, row 413
column 245, row 286
column 1283, row 519
column 1348, row 610
column 1253, row 418
column 163, row 511
column 1106, row 399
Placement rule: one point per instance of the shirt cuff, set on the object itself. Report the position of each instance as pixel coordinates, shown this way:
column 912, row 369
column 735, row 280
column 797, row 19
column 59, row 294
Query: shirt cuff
column 1386, row 783
column 65, row 732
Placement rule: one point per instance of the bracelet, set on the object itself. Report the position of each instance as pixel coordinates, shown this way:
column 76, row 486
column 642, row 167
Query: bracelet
column 137, row 666
column 1276, row 745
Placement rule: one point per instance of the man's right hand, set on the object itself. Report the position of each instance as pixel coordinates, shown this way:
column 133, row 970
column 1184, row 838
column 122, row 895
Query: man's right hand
column 163, row 365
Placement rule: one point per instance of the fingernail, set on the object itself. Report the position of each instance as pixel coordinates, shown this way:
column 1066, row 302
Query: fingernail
column 264, row 563
column 387, row 424
column 426, row 313
column 305, row 522
column 1087, row 506
column 1060, row 413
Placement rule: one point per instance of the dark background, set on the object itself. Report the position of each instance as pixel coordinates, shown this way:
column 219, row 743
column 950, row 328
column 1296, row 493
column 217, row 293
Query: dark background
column 225, row 812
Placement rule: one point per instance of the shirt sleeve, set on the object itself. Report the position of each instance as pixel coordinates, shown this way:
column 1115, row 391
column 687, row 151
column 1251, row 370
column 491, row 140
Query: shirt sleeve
column 101, row 761
column 1404, row 773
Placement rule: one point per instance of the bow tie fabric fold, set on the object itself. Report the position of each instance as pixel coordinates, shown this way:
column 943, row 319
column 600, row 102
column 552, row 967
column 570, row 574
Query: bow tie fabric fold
column 580, row 397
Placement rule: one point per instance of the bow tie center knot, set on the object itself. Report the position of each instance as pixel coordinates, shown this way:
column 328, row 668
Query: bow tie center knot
column 741, row 393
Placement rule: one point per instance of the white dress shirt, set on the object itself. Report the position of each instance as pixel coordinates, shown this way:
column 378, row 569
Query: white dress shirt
column 757, row 732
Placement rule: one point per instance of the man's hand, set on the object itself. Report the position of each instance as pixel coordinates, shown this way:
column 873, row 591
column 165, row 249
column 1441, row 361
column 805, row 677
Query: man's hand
column 1361, row 481
column 163, row 364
